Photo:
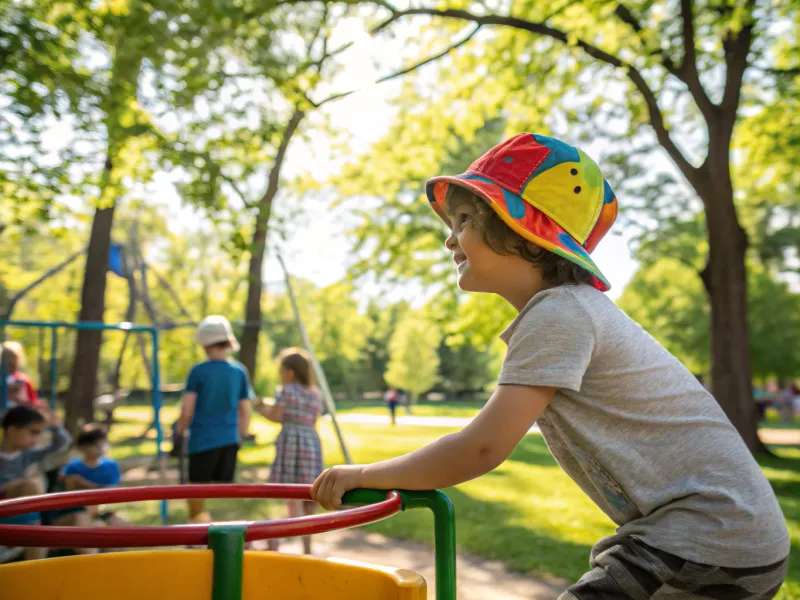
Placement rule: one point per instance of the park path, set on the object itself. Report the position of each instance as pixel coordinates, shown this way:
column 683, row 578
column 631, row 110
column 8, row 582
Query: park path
column 778, row 437
column 410, row 420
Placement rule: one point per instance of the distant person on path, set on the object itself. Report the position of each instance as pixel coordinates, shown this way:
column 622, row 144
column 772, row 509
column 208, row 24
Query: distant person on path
column 21, row 390
column 215, row 410
column 785, row 404
column 392, row 398
column 298, row 450
column 762, row 399
column 624, row 418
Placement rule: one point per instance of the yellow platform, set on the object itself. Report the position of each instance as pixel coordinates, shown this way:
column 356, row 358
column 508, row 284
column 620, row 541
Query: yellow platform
column 186, row 575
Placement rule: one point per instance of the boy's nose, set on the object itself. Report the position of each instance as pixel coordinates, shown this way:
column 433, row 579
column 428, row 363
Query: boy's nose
column 450, row 242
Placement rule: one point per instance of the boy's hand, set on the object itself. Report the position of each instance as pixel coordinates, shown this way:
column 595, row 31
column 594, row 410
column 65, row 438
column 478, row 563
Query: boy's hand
column 50, row 417
column 329, row 487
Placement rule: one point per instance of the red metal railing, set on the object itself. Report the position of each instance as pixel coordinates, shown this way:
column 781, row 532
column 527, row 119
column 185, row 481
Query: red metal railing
column 176, row 535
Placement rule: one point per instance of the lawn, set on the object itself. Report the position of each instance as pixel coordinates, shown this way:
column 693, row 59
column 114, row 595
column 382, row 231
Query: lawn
column 527, row 513
column 428, row 409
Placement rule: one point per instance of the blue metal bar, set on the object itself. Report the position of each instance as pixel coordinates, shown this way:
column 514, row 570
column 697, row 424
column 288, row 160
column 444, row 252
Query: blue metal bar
column 53, row 377
column 81, row 325
column 157, row 414
column 3, row 375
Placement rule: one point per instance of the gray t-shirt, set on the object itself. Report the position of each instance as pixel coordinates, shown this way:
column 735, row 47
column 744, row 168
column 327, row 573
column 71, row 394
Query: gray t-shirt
column 640, row 435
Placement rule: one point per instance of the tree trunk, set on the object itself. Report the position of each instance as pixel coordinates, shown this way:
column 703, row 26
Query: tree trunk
column 83, row 381
column 725, row 280
column 248, row 354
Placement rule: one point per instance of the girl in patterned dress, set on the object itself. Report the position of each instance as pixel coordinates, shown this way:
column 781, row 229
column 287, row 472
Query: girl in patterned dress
column 298, row 452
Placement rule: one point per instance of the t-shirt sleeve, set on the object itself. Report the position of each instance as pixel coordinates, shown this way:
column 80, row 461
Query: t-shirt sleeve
column 551, row 345
column 193, row 381
column 110, row 474
column 70, row 468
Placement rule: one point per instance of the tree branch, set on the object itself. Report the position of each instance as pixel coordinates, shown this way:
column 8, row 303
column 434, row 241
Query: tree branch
column 405, row 71
column 792, row 71
column 433, row 58
column 656, row 116
column 229, row 180
column 687, row 71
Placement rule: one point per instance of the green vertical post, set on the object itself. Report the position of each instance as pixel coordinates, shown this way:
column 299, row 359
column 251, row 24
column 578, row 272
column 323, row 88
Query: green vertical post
column 227, row 543
column 444, row 524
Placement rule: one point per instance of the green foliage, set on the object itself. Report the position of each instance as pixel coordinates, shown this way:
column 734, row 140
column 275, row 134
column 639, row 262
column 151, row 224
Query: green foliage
column 668, row 300
column 413, row 363
column 464, row 367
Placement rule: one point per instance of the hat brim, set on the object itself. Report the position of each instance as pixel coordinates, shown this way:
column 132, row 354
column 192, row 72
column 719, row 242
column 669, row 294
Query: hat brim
column 529, row 222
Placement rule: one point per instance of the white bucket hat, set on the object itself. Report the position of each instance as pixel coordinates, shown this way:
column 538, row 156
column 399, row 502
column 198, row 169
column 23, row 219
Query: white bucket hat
column 215, row 329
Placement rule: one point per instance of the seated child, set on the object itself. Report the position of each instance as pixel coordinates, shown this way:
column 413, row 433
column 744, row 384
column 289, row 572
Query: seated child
column 93, row 470
column 19, row 457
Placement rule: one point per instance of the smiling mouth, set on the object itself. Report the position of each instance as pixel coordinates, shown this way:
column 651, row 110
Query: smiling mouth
column 460, row 261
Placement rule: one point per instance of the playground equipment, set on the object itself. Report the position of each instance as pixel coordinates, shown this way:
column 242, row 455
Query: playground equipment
column 54, row 326
column 224, row 571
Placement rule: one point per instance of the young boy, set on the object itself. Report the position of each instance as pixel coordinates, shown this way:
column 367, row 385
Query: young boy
column 19, row 457
column 623, row 417
column 215, row 410
column 93, row 470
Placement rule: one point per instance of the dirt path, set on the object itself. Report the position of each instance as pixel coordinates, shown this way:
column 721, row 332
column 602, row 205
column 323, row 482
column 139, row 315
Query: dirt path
column 477, row 579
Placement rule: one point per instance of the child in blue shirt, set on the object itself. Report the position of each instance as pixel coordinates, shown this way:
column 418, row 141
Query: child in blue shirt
column 93, row 470
column 215, row 410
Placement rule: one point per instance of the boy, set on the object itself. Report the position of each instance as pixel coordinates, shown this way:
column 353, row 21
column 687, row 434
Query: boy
column 623, row 417
column 93, row 470
column 215, row 409
column 19, row 456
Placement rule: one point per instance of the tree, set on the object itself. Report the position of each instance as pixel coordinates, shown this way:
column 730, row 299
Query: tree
column 40, row 79
column 414, row 362
column 237, row 173
column 679, row 73
column 671, row 305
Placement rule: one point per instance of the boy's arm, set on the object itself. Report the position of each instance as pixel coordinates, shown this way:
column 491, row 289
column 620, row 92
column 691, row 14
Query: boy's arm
column 187, row 411
column 76, row 482
column 477, row 449
column 59, row 439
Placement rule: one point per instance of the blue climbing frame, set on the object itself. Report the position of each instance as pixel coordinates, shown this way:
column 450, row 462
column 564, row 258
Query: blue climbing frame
column 54, row 326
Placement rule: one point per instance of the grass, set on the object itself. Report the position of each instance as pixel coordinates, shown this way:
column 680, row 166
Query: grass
column 451, row 409
column 527, row 513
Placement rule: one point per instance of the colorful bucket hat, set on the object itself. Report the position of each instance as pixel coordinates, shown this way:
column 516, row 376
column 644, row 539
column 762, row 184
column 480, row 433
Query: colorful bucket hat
column 549, row 192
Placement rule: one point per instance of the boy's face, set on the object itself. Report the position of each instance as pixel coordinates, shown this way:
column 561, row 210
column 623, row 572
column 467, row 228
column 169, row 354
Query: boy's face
column 480, row 269
column 24, row 438
column 92, row 452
